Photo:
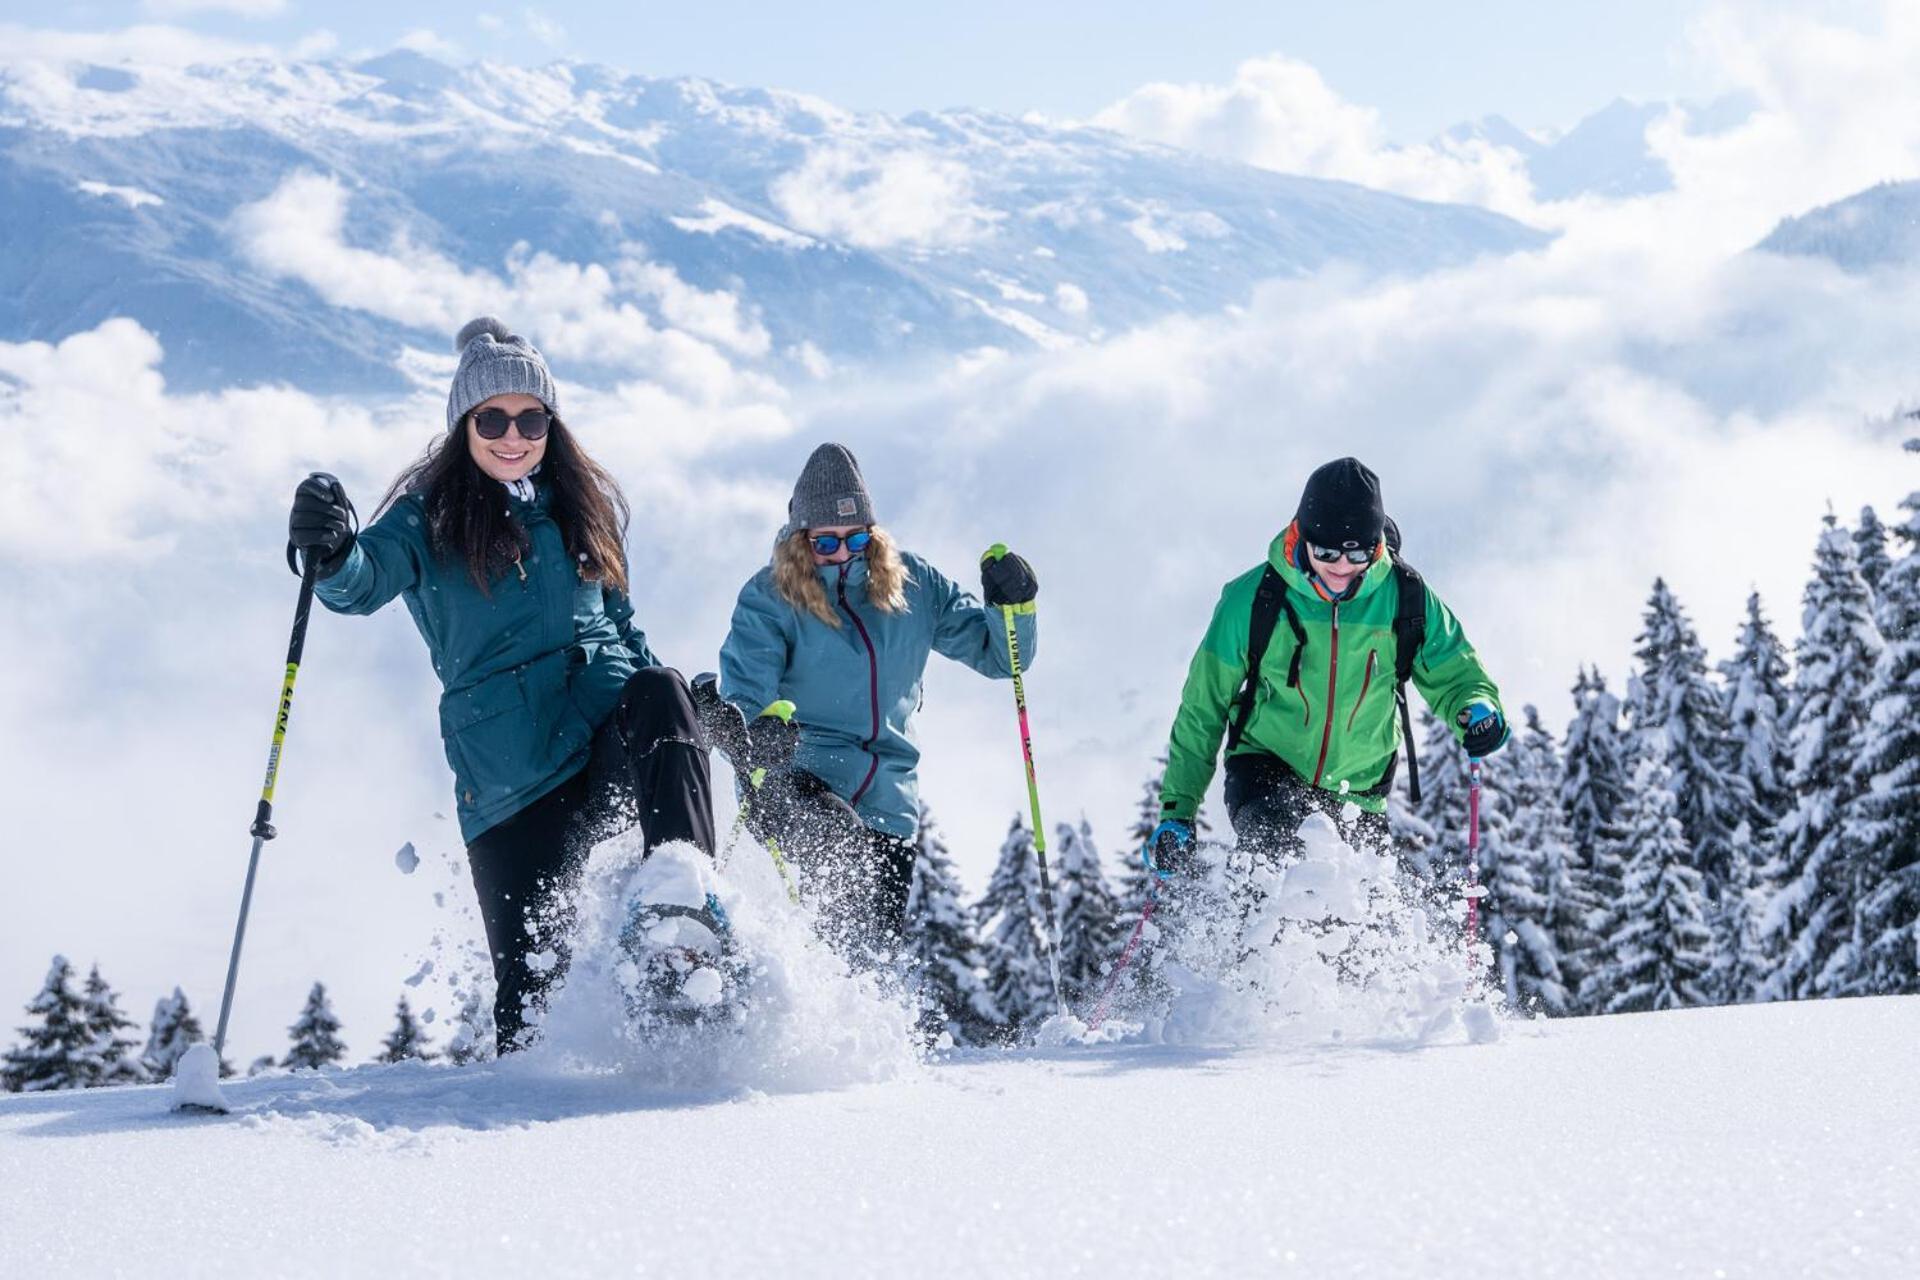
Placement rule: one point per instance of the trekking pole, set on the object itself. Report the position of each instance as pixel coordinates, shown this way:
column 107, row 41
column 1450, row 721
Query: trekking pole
column 784, row 710
column 263, row 815
column 1474, row 890
column 995, row 552
column 1126, row 955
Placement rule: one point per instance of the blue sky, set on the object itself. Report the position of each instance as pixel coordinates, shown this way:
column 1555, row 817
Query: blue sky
column 1423, row 66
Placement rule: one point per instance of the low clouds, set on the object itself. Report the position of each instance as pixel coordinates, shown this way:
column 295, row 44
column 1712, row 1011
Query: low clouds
column 878, row 197
column 1278, row 113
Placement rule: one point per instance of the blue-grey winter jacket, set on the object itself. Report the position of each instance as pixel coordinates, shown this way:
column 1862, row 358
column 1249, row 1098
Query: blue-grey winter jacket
column 856, row 687
column 529, row 671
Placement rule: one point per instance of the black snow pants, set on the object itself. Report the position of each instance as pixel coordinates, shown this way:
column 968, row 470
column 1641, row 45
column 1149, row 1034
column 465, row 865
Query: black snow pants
column 857, row 877
column 1267, row 801
column 648, row 765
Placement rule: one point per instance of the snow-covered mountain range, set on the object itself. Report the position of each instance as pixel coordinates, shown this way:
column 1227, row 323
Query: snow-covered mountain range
column 1607, row 153
column 313, row 222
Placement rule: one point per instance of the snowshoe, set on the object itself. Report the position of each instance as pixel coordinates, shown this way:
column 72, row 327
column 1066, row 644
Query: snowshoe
column 679, row 961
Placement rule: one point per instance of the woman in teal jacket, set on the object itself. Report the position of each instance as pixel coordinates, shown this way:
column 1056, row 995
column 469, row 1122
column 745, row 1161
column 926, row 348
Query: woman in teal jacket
column 841, row 623
column 505, row 540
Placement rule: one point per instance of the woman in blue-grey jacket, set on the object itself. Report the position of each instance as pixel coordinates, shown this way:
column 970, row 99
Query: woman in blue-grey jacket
column 841, row 623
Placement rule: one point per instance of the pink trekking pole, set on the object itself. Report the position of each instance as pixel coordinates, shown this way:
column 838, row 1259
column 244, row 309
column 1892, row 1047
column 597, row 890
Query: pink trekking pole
column 1473, row 866
column 1126, row 957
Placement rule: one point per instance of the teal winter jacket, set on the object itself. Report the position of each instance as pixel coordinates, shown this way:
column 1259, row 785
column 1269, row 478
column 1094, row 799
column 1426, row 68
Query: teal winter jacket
column 856, row 687
column 529, row 670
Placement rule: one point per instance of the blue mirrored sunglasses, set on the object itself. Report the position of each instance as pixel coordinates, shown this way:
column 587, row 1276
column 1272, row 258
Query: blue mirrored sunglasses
column 826, row 544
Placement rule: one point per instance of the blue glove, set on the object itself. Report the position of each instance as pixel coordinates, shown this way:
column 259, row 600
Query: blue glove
column 1486, row 730
column 1169, row 849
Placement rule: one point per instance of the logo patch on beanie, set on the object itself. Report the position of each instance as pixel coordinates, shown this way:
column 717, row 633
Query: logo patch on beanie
column 845, row 506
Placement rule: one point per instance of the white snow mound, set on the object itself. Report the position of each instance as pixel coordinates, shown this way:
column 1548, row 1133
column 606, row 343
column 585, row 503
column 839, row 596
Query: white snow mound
column 196, row 1079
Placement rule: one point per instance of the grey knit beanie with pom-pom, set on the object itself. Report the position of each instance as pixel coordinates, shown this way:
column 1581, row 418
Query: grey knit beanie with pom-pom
column 496, row 362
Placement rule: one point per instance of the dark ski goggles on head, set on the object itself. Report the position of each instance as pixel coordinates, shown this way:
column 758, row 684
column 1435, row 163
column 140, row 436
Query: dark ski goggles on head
column 1330, row 555
column 826, row 544
column 493, row 423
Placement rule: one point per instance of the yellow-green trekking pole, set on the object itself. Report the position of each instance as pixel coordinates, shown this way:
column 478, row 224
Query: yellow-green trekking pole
column 1052, row 943
column 781, row 709
column 263, row 814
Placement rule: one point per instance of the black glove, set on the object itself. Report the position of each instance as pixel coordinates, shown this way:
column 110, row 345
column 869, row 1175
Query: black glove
column 771, row 741
column 1486, row 730
column 1006, row 579
column 725, row 727
column 1170, row 849
column 322, row 525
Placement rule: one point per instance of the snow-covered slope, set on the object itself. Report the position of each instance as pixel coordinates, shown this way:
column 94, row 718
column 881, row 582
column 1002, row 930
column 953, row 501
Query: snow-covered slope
column 1757, row 1142
column 307, row 221
column 1878, row 227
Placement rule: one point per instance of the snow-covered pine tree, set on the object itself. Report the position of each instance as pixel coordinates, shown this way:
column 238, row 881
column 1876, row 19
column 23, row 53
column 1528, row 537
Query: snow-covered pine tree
column 1885, row 810
column 1676, row 714
column 1594, row 789
column 1135, row 880
column 1542, row 826
column 1011, row 922
column 942, row 949
column 408, row 1039
column 110, row 1057
column 1822, row 872
column 1660, row 954
column 1757, row 700
column 1870, row 550
column 1513, row 913
column 172, row 1032
column 472, row 1039
column 1089, row 916
column 315, row 1034
column 1741, row 958
column 54, row 1054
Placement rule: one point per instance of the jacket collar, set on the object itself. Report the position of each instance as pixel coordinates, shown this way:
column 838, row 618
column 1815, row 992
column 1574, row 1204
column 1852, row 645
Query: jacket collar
column 1288, row 555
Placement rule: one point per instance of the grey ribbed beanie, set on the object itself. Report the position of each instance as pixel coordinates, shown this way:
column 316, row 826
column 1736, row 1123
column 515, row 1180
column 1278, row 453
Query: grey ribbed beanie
column 496, row 362
column 831, row 491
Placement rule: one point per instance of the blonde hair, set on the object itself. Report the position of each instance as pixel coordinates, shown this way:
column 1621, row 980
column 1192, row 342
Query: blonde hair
column 797, row 578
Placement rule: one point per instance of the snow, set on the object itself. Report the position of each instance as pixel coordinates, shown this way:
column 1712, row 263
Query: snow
column 406, row 859
column 1762, row 1141
column 196, row 1079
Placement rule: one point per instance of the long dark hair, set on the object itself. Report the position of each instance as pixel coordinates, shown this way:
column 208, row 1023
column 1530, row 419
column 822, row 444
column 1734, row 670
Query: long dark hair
column 468, row 521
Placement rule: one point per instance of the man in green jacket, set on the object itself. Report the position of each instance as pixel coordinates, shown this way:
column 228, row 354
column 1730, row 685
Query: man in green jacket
column 1314, row 728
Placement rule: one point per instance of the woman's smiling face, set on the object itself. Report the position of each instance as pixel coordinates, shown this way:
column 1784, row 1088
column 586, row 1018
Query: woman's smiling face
column 512, row 456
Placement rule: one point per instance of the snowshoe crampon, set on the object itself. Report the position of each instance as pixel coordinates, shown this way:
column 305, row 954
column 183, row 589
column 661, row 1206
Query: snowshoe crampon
column 680, row 965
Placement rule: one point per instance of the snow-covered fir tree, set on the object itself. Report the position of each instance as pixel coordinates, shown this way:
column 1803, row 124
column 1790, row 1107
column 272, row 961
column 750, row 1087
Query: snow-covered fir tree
column 1088, row 915
column 1660, row 954
column 110, row 1057
column 1135, row 881
column 1870, row 550
column 1885, row 809
column 942, row 950
column 1822, row 870
column 53, row 1054
column 1742, row 960
column 315, row 1034
column 1676, row 714
column 1513, row 914
column 472, row 1039
column 173, row 1030
column 408, row 1039
column 1594, row 789
column 1757, row 699
column 1541, row 825
column 1011, row 921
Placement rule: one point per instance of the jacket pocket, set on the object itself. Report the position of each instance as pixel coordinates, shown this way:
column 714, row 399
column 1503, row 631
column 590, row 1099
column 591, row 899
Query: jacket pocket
column 477, row 728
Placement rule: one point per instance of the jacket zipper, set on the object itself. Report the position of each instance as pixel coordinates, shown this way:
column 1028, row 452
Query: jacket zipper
column 873, row 691
column 1366, row 682
column 1333, row 672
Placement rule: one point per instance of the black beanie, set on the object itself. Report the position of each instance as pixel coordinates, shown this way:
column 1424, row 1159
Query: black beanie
column 1341, row 506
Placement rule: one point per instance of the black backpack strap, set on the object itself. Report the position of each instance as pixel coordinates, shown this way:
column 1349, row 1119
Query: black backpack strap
column 1409, row 636
column 1269, row 602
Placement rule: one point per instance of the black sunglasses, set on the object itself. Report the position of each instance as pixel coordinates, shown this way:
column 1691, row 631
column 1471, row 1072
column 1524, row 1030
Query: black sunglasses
column 493, row 423
column 827, row 544
column 1330, row 555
